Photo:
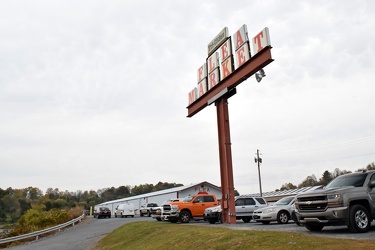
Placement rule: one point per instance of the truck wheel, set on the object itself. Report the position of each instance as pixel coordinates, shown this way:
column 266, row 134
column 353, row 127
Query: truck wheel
column 158, row 219
column 141, row 214
column 148, row 213
column 359, row 221
column 314, row 227
column 283, row 217
column 246, row 220
column 185, row 217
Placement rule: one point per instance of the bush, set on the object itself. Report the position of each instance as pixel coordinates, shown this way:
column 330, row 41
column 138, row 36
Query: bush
column 37, row 218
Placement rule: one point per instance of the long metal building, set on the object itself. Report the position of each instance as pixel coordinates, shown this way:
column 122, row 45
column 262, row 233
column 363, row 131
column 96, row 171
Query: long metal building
column 160, row 196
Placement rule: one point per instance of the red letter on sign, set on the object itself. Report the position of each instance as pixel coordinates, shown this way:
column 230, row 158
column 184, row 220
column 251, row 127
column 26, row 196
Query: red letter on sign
column 212, row 80
column 226, row 67
column 224, row 51
column 202, row 72
column 261, row 40
column 202, row 88
column 212, row 61
column 241, row 59
column 257, row 41
column 192, row 96
column 239, row 41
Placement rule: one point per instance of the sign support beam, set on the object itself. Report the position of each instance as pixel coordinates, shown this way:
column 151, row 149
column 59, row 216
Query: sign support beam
column 226, row 169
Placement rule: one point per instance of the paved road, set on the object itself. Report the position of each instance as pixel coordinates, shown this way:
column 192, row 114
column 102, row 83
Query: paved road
column 86, row 234
column 83, row 236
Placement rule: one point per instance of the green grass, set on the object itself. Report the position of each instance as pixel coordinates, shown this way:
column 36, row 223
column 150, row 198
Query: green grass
column 159, row 235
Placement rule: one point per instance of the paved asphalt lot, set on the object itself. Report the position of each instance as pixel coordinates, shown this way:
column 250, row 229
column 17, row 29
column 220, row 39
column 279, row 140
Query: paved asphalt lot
column 86, row 234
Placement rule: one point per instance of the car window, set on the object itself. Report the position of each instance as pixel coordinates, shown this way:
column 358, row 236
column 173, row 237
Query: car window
column 209, row 199
column 372, row 178
column 249, row 201
column 240, row 202
column 284, row 201
column 355, row 180
column 261, row 200
column 188, row 198
column 199, row 199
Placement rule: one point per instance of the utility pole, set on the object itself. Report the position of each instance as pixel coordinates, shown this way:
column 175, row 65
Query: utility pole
column 259, row 161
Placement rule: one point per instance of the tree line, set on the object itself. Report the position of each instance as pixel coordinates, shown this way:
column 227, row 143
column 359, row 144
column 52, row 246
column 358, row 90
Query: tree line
column 16, row 202
column 327, row 176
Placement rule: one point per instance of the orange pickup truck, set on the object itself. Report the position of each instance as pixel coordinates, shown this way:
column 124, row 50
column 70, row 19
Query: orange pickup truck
column 190, row 207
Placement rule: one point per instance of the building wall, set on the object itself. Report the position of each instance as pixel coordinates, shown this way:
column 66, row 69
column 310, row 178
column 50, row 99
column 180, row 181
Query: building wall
column 159, row 198
column 211, row 189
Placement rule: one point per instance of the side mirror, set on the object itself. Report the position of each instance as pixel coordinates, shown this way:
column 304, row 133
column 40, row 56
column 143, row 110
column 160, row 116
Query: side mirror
column 371, row 184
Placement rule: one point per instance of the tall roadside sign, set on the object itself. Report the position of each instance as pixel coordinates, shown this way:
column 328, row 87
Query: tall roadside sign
column 217, row 79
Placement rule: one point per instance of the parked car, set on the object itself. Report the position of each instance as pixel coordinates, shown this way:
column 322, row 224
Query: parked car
column 213, row 214
column 147, row 209
column 100, row 212
column 244, row 205
column 158, row 212
column 125, row 210
column 281, row 211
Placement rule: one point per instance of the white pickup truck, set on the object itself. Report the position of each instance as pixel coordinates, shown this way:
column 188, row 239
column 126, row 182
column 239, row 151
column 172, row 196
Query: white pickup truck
column 159, row 211
column 147, row 208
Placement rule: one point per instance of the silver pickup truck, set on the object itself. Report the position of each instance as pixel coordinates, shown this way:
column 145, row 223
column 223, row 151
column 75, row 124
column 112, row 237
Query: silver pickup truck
column 347, row 200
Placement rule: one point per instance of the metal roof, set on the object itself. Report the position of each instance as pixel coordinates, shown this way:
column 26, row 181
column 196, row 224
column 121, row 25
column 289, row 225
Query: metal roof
column 282, row 193
column 161, row 192
column 288, row 192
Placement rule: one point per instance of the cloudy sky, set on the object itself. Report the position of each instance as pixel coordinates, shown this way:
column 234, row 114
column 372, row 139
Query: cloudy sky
column 93, row 94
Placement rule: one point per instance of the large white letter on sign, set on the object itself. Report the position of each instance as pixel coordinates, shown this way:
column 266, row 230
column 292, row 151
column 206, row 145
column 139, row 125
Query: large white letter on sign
column 201, row 73
column 240, row 37
column 261, row 41
column 193, row 95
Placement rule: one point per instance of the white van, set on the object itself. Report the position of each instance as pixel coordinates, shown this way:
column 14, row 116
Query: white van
column 125, row 210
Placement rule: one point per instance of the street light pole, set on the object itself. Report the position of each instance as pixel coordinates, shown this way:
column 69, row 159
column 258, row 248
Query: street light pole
column 259, row 161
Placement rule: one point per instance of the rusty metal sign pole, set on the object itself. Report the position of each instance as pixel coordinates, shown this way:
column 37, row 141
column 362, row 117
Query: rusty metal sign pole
column 226, row 169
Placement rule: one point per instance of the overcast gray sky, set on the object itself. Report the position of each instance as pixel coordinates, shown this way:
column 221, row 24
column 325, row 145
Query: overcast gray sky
column 93, row 94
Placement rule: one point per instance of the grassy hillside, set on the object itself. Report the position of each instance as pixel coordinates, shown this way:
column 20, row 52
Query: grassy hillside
column 152, row 235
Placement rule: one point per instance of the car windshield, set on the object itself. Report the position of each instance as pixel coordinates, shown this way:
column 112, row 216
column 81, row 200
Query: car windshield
column 188, row 198
column 284, row 201
column 355, row 180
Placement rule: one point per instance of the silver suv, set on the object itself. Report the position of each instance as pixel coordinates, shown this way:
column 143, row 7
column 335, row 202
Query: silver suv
column 245, row 206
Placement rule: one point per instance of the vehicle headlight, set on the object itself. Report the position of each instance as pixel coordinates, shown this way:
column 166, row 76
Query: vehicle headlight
column 333, row 196
column 334, row 199
column 215, row 209
column 174, row 208
column 269, row 210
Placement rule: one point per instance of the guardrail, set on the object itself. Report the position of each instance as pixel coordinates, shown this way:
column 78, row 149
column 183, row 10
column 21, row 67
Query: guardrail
column 36, row 234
